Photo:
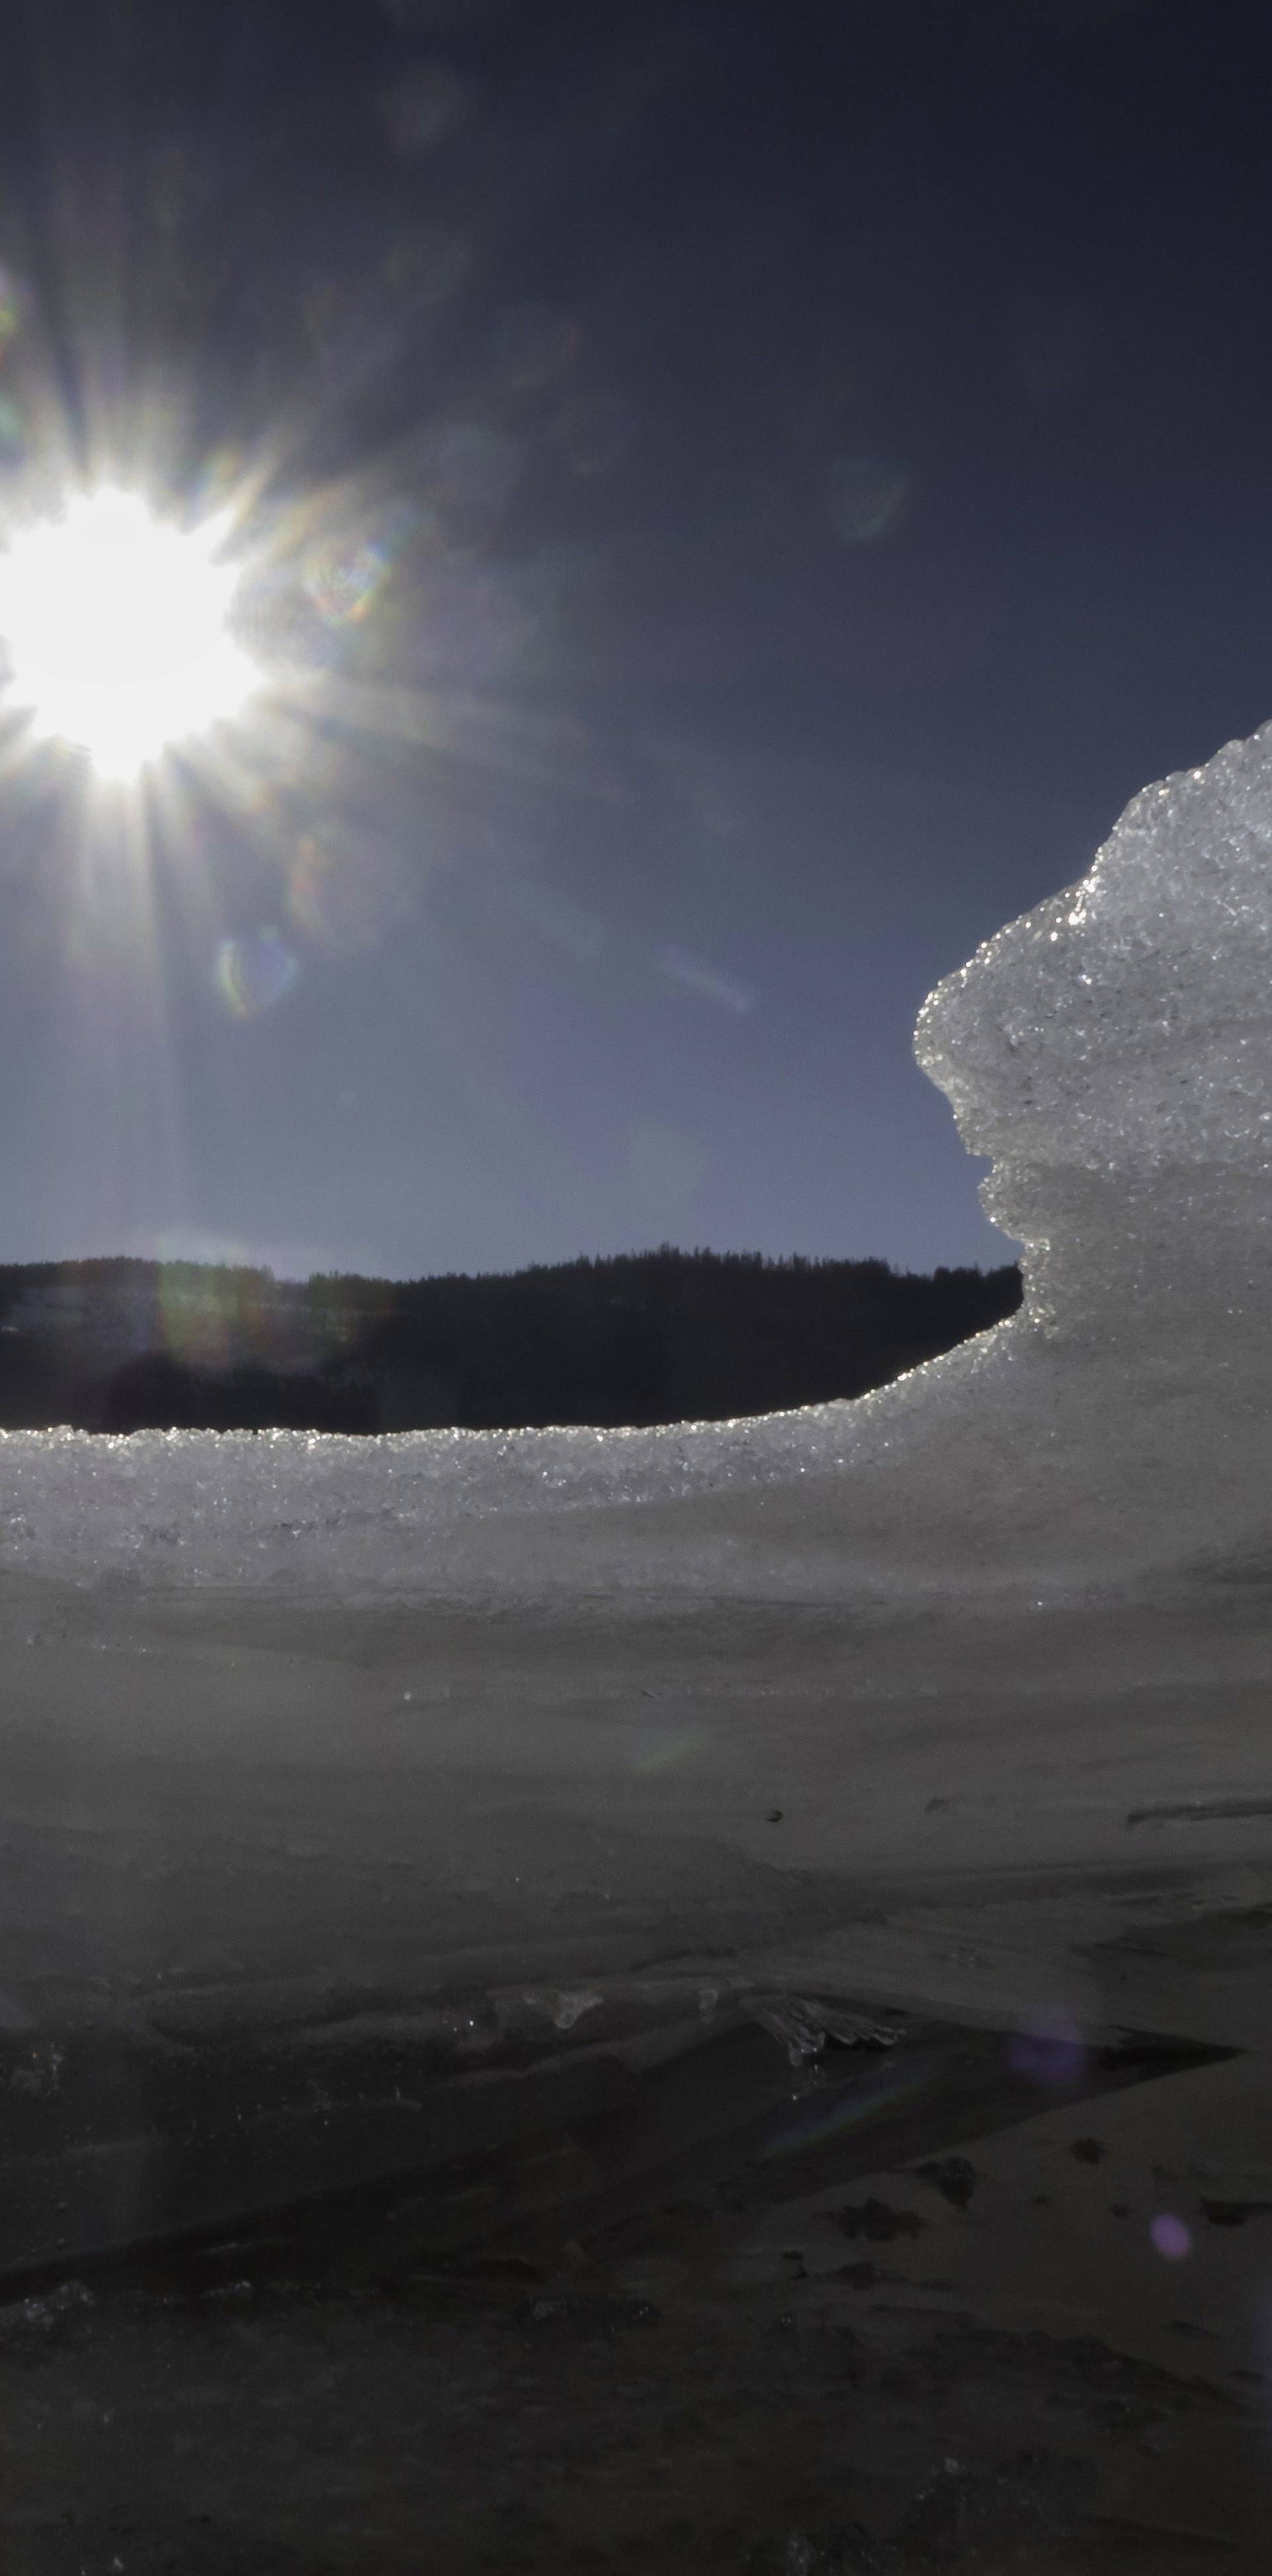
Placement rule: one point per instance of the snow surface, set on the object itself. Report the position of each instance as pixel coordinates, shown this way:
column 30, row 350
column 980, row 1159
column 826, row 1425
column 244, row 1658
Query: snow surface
column 1110, row 1052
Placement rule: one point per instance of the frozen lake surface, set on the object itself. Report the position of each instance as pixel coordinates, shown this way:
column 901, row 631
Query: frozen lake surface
column 299, row 1724
column 469, row 1902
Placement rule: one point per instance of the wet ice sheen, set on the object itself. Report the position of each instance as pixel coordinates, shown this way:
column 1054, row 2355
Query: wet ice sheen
column 1110, row 1052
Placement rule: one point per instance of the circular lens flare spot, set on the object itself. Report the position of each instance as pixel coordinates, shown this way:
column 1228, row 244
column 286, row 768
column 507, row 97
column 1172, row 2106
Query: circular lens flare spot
column 117, row 629
column 1169, row 2236
column 1050, row 2050
column 252, row 974
column 868, row 498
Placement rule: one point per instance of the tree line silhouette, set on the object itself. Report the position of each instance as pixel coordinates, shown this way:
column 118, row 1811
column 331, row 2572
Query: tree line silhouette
column 660, row 1336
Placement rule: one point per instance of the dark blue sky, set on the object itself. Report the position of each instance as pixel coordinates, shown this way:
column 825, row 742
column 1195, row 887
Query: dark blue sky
column 741, row 493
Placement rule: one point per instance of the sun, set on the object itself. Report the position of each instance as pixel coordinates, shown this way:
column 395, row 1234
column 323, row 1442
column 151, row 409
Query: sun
column 116, row 624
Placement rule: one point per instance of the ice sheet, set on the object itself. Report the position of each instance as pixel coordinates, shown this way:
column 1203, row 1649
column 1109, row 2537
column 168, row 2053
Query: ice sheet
column 1110, row 1052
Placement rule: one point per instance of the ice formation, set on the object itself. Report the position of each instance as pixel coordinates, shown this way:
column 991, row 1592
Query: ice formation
column 1110, row 1052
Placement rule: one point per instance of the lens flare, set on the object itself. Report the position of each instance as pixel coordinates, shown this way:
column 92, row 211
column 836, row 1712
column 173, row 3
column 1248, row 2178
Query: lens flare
column 1049, row 2050
column 252, row 974
column 11, row 307
column 342, row 585
column 1169, row 2236
column 117, row 629
column 868, row 496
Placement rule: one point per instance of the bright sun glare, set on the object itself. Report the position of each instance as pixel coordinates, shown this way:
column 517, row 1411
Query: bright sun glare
column 117, row 630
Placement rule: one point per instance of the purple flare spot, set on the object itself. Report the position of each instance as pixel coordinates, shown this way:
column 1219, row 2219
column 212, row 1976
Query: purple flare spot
column 1170, row 2236
column 1050, row 2050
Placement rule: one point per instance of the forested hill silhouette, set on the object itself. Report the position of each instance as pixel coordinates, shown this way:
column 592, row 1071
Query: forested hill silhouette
column 662, row 1336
